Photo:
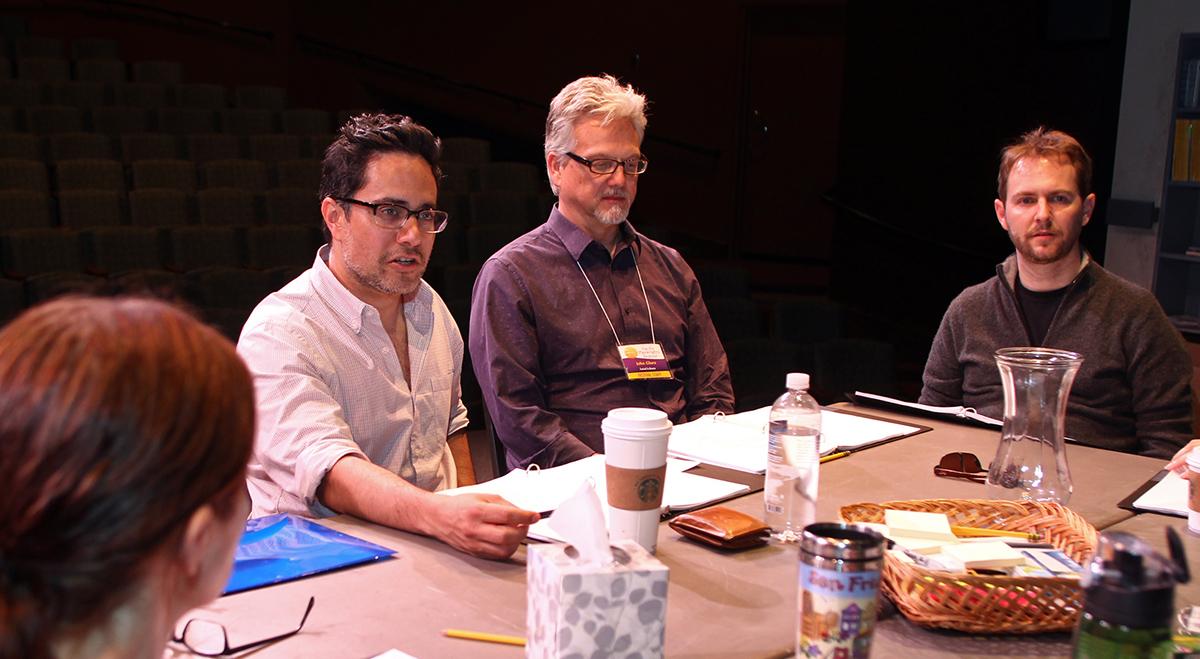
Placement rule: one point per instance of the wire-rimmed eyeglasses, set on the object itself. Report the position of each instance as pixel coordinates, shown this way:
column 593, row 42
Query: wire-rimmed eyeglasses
column 208, row 638
column 961, row 465
column 605, row 166
column 395, row 216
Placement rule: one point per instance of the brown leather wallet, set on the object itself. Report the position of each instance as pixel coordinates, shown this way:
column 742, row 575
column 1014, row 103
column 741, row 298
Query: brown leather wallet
column 722, row 527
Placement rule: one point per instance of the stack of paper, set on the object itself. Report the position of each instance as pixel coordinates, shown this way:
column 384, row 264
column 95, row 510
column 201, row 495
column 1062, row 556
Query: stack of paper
column 739, row 441
column 542, row 490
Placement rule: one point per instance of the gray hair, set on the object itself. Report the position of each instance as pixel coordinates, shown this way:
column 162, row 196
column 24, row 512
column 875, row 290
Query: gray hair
column 592, row 95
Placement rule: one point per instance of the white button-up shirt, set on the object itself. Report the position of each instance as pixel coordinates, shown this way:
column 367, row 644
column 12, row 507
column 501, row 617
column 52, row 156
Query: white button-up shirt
column 329, row 384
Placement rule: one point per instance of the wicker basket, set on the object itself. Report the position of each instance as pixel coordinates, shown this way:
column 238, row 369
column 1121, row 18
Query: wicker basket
column 987, row 604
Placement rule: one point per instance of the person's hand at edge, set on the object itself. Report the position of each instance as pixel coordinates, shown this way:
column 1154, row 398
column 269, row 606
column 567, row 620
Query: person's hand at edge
column 1178, row 464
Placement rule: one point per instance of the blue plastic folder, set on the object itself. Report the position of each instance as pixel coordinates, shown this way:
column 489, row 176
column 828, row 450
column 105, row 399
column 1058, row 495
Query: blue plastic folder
column 284, row 547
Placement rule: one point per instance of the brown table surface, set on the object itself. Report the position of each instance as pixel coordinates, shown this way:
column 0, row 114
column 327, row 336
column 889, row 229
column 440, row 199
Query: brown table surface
column 726, row 605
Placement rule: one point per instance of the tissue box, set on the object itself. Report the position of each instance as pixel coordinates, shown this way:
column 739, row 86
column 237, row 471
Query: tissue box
column 575, row 609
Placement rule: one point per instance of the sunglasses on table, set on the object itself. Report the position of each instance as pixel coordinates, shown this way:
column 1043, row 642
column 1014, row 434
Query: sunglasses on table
column 961, row 465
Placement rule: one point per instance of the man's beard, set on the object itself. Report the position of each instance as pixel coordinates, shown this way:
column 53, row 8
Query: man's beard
column 377, row 280
column 1052, row 253
column 612, row 215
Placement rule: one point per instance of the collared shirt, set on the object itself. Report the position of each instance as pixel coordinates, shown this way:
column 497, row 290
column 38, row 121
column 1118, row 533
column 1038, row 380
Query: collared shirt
column 547, row 359
column 329, row 384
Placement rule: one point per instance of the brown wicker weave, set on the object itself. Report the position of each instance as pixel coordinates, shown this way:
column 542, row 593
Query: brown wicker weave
column 987, row 604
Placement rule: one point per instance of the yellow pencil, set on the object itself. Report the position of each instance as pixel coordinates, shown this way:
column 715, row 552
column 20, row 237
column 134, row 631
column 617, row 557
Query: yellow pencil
column 834, row 456
column 483, row 636
column 972, row 532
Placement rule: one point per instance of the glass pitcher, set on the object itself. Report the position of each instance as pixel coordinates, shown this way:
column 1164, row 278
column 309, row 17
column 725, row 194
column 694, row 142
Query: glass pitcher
column 1031, row 463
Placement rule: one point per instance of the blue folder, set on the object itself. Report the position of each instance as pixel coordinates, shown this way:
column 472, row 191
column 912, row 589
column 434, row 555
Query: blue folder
column 284, row 547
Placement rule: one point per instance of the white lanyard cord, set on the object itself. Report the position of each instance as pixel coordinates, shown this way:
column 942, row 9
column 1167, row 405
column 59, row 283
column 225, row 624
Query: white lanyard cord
column 649, row 314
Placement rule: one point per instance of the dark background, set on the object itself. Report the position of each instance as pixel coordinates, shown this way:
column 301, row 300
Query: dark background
column 846, row 149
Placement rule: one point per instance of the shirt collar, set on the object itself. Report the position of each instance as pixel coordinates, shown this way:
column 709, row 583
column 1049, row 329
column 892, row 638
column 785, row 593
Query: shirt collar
column 576, row 240
column 346, row 305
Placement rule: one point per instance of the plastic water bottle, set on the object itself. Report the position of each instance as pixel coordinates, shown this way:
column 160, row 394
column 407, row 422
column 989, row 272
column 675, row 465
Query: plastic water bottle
column 793, row 457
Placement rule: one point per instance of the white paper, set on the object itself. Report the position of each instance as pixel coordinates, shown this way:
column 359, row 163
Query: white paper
column 544, row 490
column 1169, row 495
column 394, row 654
column 952, row 410
column 739, row 441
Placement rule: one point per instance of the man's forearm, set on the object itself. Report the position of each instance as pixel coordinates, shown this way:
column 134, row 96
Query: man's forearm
column 360, row 488
column 464, row 466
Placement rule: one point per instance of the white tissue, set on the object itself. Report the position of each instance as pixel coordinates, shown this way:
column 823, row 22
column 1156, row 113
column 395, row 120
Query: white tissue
column 580, row 521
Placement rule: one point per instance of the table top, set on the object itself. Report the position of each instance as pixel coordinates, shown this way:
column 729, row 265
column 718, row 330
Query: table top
column 720, row 604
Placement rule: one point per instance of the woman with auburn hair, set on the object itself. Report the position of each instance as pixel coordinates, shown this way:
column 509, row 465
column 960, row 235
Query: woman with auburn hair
column 125, row 427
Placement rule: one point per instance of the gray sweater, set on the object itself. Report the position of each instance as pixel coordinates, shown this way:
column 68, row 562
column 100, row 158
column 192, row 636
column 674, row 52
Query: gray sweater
column 1133, row 392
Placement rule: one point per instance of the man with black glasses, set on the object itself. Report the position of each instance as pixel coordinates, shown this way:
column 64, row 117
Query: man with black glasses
column 584, row 314
column 357, row 362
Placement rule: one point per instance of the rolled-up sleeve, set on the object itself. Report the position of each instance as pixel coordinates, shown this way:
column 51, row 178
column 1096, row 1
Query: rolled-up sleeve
column 301, row 427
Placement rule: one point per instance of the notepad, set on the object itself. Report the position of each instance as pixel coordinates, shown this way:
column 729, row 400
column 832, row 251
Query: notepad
column 739, row 441
column 1169, row 495
column 982, row 555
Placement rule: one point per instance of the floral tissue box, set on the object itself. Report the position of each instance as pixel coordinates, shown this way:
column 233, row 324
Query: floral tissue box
column 576, row 609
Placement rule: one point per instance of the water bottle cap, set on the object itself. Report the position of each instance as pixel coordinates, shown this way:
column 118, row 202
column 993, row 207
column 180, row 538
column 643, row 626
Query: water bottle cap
column 797, row 381
column 1126, row 582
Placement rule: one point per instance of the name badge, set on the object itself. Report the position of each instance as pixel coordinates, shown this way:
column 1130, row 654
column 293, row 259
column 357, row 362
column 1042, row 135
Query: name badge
column 644, row 361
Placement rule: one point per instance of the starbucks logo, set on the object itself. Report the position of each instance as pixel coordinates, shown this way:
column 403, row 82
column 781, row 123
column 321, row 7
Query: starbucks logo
column 649, row 489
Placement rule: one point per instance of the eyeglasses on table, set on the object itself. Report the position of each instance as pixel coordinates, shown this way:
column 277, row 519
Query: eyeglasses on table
column 961, row 465
column 208, row 638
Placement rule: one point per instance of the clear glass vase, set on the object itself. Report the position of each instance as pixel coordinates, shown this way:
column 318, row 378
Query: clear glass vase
column 1031, row 463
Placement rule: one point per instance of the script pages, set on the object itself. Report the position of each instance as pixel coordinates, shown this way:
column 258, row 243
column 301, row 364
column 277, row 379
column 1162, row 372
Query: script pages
column 739, row 441
column 542, row 490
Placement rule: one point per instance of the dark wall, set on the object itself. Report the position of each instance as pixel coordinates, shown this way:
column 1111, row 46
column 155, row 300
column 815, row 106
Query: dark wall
column 933, row 92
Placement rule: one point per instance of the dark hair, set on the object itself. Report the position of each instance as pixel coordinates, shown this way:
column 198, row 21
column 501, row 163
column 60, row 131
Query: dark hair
column 119, row 418
column 1041, row 143
column 365, row 136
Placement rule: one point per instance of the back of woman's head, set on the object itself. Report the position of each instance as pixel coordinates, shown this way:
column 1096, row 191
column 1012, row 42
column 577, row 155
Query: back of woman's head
column 118, row 419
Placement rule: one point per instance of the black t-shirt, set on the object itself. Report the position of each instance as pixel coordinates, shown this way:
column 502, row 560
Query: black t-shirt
column 1039, row 308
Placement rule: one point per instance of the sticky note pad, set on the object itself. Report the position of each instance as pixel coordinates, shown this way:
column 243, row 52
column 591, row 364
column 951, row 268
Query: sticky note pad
column 913, row 524
column 984, row 555
column 921, row 545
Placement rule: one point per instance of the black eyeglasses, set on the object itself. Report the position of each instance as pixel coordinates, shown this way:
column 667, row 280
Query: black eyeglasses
column 209, row 639
column 395, row 216
column 604, row 166
column 961, row 465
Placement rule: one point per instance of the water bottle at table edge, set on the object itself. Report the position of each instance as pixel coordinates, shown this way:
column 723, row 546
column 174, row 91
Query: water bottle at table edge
column 793, row 458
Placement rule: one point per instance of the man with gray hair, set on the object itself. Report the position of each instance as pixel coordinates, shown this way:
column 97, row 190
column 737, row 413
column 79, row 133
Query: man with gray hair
column 584, row 314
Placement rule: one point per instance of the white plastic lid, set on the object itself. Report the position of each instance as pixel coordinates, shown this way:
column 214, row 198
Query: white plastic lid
column 797, row 381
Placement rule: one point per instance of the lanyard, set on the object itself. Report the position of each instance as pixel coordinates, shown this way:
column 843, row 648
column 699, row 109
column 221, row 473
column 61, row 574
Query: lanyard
column 647, row 297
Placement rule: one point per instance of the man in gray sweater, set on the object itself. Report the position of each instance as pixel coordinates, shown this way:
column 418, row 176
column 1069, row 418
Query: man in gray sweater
column 1133, row 391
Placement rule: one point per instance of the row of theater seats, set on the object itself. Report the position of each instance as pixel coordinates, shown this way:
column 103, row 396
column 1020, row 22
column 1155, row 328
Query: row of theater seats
column 105, row 251
column 146, row 95
column 102, row 174
column 157, row 207
column 222, row 296
column 131, row 147
column 30, row 113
